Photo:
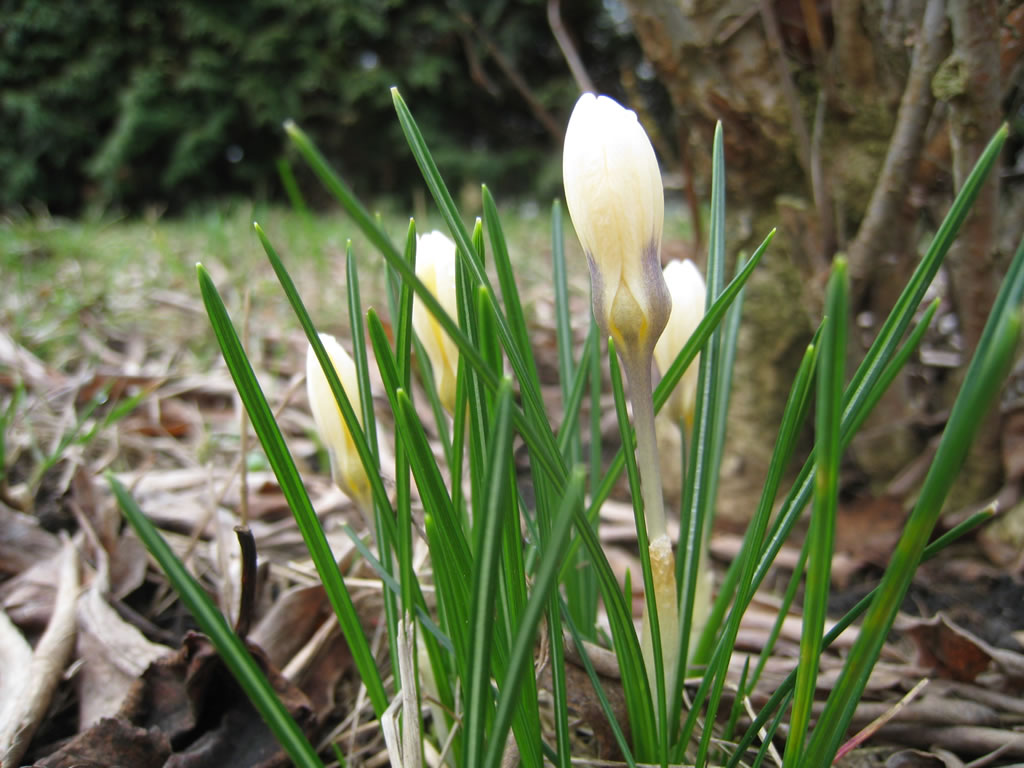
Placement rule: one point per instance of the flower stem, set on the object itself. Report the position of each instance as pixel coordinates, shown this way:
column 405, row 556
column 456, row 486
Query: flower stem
column 638, row 377
column 659, row 549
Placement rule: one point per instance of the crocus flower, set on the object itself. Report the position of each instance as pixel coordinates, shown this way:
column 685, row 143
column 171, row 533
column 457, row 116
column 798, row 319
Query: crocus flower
column 346, row 468
column 435, row 266
column 686, row 286
column 615, row 197
column 617, row 204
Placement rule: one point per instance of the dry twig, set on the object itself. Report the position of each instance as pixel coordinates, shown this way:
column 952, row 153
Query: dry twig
column 28, row 698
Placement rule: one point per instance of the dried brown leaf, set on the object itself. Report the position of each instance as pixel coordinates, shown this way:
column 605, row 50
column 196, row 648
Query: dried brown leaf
column 114, row 654
column 291, row 621
column 949, row 650
column 22, row 542
column 191, row 698
column 25, row 706
column 112, row 742
column 912, row 758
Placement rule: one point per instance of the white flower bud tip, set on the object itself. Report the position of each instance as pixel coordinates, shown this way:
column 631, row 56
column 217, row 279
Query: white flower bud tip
column 616, row 201
column 688, row 291
column 435, row 267
column 346, row 467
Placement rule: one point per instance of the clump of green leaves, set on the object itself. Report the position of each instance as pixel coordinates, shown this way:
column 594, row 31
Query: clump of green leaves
column 495, row 586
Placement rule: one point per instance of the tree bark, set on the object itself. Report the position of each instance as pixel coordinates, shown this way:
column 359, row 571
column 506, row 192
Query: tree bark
column 973, row 92
column 861, row 73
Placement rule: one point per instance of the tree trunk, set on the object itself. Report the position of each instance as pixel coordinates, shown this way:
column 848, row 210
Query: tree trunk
column 836, row 132
column 974, row 96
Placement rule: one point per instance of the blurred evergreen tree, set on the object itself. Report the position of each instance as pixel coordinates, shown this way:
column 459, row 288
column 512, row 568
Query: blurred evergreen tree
column 132, row 102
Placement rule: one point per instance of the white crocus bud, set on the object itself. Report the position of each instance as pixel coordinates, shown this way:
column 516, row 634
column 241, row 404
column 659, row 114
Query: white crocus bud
column 686, row 286
column 435, row 266
column 346, row 468
column 614, row 193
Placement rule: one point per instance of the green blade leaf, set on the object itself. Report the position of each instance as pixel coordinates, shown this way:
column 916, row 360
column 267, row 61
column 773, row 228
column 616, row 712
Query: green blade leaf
column 985, row 376
column 230, row 648
column 543, row 584
column 487, row 546
column 784, row 691
column 291, row 486
column 355, row 430
column 821, row 534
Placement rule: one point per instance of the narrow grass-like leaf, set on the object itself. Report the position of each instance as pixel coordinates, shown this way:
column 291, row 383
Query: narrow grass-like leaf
column 795, row 580
column 793, row 418
column 487, row 546
column 392, row 584
column 526, row 721
column 355, row 316
column 384, row 543
column 449, row 550
column 589, row 358
column 291, row 187
column 507, row 283
column 544, row 582
column 626, row 646
column 985, row 376
column 513, row 595
column 563, row 329
column 431, row 484
column 698, row 501
column 535, row 426
column 877, row 370
column 741, row 570
column 380, row 495
column 595, row 681
column 403, row 496
column 581, row 585
column 291, row 486
column 230, row 648
column 785, row 689
column 363, row 219
column 821, row 533
column 737, row 703
column 6, row 419
column 474, row 318
column 769, row 736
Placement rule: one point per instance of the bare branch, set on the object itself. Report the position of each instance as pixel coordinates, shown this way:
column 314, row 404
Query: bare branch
column 540, row 112
column 568, row 48
column 885, row 210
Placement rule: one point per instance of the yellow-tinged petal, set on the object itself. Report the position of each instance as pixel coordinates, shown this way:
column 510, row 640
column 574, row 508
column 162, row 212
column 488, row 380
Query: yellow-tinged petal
column 435, row 267
column 688, row 291
column 616, row 201
column 346, row 467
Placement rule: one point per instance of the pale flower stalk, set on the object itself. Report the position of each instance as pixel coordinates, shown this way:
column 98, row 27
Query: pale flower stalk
column 688, row 291
column 435, row 267
column 347, row 469
column 615, row 197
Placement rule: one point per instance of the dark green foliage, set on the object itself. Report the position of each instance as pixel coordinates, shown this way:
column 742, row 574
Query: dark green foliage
column 131, row 103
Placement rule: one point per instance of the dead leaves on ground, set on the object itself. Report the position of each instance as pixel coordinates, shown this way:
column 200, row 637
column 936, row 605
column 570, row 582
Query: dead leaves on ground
column 186, row 711
column 138, row 694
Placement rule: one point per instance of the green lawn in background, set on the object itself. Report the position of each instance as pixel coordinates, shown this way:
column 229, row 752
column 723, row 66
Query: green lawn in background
column 116, row 279
column 119, row 279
